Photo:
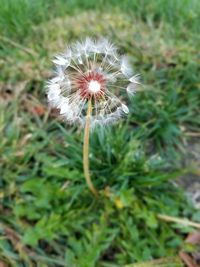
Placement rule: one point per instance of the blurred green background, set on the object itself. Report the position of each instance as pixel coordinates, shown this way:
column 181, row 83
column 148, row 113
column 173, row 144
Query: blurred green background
column 48, row 217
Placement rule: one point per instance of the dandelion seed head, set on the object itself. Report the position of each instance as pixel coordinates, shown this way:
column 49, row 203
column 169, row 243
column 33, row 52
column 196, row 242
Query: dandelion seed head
column 91, row 71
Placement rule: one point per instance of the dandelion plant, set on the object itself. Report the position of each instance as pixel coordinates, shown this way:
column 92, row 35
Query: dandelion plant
column 88, row 87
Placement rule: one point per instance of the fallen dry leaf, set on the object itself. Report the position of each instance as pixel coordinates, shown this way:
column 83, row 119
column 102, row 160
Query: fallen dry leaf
column 3, row 264
column 193, row 238
column 189, row 262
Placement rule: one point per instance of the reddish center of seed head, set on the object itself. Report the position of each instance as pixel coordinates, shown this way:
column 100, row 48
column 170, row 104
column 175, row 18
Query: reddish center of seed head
column 92, row 85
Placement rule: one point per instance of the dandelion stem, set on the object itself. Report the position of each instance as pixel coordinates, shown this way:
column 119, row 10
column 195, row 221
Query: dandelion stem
column 86, row 151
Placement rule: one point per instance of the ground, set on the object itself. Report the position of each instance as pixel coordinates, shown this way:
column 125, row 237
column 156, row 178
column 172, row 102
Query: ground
column 48, row 215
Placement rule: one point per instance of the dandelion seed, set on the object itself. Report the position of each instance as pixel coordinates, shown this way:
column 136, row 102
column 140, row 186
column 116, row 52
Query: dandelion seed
column 91, row 71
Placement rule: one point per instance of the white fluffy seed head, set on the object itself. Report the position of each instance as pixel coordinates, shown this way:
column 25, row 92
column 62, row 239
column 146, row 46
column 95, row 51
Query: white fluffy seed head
column 91, row 70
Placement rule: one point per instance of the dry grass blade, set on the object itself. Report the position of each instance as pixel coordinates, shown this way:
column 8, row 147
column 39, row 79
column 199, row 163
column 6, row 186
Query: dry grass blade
column 16, row 242
column 183, row 221
column 163, row 262
column 23, row 48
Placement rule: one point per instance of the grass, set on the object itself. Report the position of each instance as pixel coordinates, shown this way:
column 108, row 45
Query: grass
column 48, row 216
column 18, row 16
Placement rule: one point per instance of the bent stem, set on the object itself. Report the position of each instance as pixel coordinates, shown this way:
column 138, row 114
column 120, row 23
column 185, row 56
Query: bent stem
column 86, row 151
